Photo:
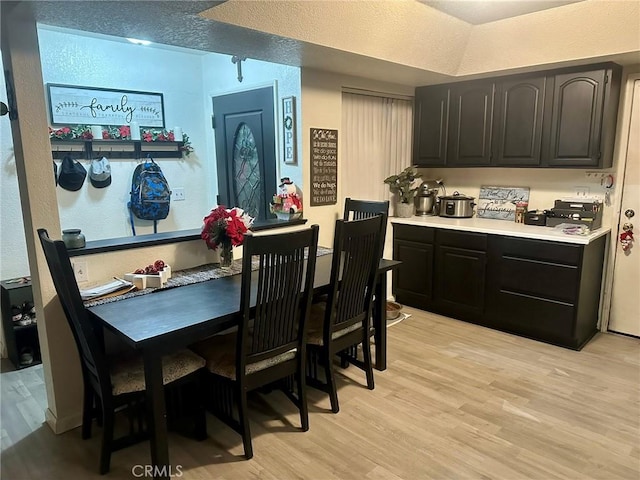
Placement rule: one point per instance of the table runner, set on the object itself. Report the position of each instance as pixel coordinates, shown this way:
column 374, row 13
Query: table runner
column 201, row 273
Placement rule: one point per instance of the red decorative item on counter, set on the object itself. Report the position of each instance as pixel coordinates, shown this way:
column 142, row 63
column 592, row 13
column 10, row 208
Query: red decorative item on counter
column 225, row 227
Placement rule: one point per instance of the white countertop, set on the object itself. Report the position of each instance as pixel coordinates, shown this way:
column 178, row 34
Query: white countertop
column 500, row 227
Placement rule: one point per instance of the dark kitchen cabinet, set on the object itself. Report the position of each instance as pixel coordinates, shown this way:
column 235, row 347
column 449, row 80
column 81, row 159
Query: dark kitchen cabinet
column 553, row 119
column 517, row 136
column 460, row 273
column 548, row 291
column 430, row 127
column 583, row 118
column 412, row 280
column 470, row 124
column 545, row 290
column 23, row 347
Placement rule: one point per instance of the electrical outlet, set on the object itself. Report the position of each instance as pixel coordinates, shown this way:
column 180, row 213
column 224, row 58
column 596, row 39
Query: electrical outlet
column 581, row 191
column 178, row 194
column 81, row 271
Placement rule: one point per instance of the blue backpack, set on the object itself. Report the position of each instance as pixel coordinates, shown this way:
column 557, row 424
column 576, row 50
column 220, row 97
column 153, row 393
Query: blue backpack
column 150, row 194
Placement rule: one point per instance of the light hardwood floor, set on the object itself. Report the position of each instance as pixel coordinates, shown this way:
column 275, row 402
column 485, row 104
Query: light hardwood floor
column 458, row 401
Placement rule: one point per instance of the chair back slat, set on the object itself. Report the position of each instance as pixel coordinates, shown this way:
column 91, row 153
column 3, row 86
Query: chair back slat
column 356, row 253
column 361, row 209
column 286, row 267
column 91, row 353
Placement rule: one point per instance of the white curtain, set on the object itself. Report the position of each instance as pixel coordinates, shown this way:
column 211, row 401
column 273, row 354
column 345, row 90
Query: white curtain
column 376, row 142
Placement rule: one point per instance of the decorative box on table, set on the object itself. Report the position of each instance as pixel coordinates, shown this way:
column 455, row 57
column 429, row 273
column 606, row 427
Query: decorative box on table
column 142, row 281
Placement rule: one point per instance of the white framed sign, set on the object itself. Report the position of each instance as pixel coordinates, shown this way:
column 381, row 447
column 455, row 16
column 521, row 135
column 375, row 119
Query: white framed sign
column 74, row 105
column 289, row 128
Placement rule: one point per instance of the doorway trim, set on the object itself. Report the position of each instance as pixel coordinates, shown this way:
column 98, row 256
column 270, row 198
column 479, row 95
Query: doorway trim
column 213, row 172
column 623, row 146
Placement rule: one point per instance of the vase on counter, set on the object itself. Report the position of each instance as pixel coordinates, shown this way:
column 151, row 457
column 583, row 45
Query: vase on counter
column 226, row 255
column 404, row 210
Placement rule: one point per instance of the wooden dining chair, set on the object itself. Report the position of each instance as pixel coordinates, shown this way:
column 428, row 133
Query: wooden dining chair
column 268, row 347
column 112, row 384
column 341, row 324
column 359, row 209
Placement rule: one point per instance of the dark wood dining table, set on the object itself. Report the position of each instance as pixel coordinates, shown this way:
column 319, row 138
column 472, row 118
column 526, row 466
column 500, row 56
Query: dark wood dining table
column 166, row 320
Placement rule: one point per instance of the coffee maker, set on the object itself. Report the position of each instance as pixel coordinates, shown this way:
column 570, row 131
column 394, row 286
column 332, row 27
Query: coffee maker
column 426, row 197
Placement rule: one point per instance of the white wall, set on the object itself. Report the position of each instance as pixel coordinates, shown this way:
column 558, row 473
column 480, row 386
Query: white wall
column 73, row 59
column 220, row 77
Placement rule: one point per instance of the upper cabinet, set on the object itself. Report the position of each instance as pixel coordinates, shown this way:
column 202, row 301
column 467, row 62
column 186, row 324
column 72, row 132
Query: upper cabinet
column 470, row 124
column 582, row 119
column 430, row 129
column 558, row 119
column 517, row 138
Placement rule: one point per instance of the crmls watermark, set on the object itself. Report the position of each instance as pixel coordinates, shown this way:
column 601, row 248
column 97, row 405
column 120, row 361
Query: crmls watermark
column 150, row 471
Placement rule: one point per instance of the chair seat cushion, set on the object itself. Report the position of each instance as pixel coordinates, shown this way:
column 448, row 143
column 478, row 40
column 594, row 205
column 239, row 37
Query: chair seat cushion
column 219, row 353
column 316, row 325
column 127, row 374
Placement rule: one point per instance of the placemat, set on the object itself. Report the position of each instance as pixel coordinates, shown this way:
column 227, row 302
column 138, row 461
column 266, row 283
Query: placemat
column 201, row 273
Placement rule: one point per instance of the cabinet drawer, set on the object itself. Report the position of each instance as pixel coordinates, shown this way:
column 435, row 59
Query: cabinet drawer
column 468, row 240
column 413, row 233
column 541, row 318
column 540, row 279
column 552, row 252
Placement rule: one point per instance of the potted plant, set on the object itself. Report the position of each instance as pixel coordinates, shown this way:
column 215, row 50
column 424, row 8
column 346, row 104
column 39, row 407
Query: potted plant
column 402, row 185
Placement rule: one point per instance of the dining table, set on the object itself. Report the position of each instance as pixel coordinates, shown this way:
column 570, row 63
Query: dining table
column 168, row 319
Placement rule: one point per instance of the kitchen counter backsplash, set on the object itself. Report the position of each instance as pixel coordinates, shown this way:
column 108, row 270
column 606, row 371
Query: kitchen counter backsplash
column 501, row 227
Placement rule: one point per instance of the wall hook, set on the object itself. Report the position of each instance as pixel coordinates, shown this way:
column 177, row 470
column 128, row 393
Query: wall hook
column 238, row 60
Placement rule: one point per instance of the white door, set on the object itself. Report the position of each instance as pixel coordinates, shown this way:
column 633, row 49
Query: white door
column 625, row 300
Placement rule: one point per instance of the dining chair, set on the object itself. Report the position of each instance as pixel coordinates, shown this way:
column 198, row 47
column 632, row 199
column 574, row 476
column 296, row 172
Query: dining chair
column 357, row 210
column 342, row 323
column 269, row 346
column 112, row 384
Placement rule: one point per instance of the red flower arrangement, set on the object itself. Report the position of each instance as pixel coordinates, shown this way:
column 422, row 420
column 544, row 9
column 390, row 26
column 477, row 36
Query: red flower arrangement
column 226, row 228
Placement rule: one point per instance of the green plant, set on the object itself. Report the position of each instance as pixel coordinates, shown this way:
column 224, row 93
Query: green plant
column 402, row 184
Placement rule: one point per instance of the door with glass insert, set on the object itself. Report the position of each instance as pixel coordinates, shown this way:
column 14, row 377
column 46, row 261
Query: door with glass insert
column 245, row 150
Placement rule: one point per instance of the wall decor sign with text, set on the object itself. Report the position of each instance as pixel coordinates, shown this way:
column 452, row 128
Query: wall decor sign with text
column 289, row 128
column 70, row 105
column 500, row 202
column 324, row 166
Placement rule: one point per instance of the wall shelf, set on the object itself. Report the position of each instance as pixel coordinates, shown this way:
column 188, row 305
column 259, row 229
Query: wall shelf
column 114, row 149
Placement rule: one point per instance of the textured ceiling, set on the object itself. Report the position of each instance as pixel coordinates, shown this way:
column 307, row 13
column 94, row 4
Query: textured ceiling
column 181, row 24
column 484, row 11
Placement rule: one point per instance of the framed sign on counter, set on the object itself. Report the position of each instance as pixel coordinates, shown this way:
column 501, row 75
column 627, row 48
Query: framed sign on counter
column 324, row 166
column 69, row 105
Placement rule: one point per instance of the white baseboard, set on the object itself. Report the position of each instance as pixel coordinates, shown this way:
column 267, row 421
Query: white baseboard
column 61, row 425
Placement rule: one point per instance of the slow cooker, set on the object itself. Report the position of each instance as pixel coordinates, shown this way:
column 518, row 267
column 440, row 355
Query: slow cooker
column 456, row 206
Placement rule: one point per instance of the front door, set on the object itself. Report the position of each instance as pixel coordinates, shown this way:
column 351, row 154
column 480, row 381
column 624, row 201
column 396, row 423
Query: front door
column 245, row 150
column 624, row 316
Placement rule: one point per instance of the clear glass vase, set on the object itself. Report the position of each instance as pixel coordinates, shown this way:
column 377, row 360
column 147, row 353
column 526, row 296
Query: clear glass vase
column 226, row 256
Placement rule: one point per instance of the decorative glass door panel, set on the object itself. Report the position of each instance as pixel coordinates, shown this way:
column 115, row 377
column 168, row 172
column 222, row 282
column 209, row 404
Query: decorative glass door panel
column 247, row 180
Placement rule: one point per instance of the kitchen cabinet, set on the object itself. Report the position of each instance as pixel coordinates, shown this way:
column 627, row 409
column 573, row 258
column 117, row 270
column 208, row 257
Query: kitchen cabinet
column 431, row 126
column 460, row 273
column 562, row 118
column 517, row 136
column 541, row 289
column 412, row 280
column 583, row 117
column 23, row 347
column 470, row 124
column 545, row 290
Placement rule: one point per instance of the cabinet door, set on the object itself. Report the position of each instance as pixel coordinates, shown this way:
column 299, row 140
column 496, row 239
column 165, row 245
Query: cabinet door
column 470, row 124
column 460, row 280
column 412, row 280
column 517, row 136
column 576, row 119
column 430, row 125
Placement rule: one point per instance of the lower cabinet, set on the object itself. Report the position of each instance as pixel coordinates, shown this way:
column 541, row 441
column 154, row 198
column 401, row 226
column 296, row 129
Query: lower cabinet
column 549, row 291
column 460, row 271
column 545, row 290
column 412, row 280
